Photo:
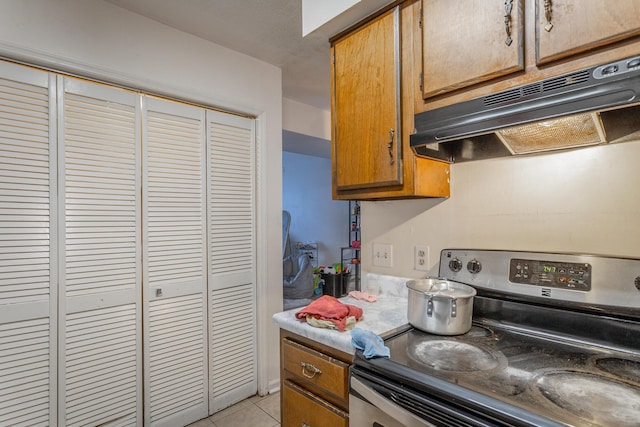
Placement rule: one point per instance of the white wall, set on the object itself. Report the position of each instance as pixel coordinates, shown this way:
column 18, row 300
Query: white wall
column 306, row 194
column 306, row 129
column 315, row 13
column 306, row 120
column 585, row 201
column 97, row 39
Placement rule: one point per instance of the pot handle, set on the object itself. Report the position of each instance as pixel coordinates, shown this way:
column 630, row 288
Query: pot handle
column 454, row 306
column 438, row 281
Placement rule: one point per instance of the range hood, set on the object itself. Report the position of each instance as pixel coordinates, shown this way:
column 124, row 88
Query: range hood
column 587, row 107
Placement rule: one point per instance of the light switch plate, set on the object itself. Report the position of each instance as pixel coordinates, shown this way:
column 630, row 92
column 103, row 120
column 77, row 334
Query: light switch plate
column 382, row 255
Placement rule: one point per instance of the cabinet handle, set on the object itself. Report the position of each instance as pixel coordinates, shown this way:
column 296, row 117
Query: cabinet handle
column 305, row 425
column 508, row 5
column 390, row 145
column 547, row 15
column 308, row 367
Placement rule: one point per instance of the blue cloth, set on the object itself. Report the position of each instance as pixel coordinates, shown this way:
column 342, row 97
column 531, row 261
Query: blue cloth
column 371, row 344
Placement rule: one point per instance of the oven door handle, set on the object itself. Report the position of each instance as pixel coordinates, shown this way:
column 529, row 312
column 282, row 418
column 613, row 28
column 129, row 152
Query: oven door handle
column 385, row 405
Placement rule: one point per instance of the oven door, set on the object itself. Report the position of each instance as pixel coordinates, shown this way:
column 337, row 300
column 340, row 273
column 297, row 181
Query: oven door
column 376, row 400
column 368, row 408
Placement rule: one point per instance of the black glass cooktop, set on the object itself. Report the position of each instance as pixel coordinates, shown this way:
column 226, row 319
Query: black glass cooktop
column 568, row 382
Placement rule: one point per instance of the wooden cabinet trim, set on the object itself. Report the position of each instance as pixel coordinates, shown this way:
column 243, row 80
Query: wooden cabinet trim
column 347, row 31
column 317, row 346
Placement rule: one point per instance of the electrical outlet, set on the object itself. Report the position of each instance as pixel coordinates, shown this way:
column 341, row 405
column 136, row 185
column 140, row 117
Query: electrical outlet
column 382, row 255
column 421, row 258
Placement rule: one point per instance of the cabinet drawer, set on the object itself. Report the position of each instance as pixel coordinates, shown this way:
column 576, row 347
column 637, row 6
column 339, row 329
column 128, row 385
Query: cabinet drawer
column 305, row 409
column 311, row 366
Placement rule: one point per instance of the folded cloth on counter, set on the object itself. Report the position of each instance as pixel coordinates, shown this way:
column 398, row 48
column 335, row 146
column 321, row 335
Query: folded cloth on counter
column 364, row 296
column 328, row 308
column 349, row 323
column 370, row 344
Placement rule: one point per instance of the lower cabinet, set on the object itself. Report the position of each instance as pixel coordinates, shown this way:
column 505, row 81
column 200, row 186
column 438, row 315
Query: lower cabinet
column 303, row 408
column 314, row 383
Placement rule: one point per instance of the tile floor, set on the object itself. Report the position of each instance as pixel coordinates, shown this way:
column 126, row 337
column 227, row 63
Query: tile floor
column 255, row 411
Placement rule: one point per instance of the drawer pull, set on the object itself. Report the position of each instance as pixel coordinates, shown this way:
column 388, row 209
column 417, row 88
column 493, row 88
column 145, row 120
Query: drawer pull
column 305, row 425
column 308, row 367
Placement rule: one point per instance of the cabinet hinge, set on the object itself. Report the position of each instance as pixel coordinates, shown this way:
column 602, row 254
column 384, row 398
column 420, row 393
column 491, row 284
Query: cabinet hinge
column 421, row 82
column 333, row 58
column 420, row 19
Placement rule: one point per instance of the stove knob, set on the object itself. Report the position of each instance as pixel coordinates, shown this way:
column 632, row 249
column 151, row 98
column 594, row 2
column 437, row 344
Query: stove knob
column 474, row 266
column 455, row 265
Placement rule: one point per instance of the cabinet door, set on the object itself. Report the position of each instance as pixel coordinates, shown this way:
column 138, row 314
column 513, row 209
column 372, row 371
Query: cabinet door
column 470, row 41
column 28, row 274
column 569, row 27
column 366, row 106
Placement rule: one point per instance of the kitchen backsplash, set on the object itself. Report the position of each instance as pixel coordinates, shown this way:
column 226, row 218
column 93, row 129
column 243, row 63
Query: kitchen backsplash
column 585, row 201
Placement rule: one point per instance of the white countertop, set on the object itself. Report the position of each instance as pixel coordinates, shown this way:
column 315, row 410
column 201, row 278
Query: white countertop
column 387, row 313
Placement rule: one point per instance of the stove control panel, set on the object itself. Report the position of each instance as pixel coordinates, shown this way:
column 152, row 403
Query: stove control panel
column 555, row 278
column 564, row 275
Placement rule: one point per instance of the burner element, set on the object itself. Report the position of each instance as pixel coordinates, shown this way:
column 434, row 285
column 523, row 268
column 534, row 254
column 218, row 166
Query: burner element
column 450, row 355
column 595, row 399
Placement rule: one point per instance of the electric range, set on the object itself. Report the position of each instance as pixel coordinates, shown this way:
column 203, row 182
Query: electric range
column 555, row 341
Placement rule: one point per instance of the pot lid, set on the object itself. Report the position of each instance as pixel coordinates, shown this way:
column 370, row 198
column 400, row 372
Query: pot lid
column 435, row 287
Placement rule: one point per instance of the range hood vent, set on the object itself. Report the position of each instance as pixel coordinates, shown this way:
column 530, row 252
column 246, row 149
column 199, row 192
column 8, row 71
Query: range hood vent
column 536, row 88
column 483, row 127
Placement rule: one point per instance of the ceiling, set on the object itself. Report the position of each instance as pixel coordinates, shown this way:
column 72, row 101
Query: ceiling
column 270, row 30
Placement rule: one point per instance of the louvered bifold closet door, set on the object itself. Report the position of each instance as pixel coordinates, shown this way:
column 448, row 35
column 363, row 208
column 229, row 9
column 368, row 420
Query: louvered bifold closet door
column 27, row 247
column 174, row 259
column 100, row 301
column 232, row 259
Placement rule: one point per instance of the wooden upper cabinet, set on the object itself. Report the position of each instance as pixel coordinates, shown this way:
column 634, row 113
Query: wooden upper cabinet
column 466, row 42
column 570, row 27
column 470, row 41
column 366, row 105
column 373, row 81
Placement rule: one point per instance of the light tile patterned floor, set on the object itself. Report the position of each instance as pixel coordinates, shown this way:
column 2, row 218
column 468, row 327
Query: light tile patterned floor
column 255, row 411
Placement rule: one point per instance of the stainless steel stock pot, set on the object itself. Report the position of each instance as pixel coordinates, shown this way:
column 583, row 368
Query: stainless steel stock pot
column 440, row 306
